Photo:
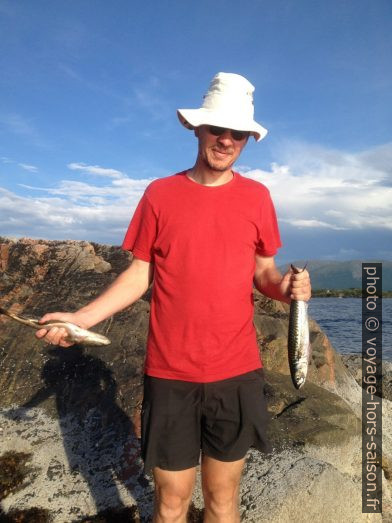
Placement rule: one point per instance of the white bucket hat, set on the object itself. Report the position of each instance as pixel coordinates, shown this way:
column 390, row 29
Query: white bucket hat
column 228, row 103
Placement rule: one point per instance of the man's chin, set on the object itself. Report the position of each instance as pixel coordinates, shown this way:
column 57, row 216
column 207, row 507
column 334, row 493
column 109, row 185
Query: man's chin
column 219, row 167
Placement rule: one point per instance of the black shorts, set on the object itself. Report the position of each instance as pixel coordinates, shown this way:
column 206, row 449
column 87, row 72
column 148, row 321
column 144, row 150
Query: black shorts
column 222, row 420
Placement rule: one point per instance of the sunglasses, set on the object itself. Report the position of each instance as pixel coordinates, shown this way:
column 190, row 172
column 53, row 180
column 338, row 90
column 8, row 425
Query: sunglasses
column 236, row 135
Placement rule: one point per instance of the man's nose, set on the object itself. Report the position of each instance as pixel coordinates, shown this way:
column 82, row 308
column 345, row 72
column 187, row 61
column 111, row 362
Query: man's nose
column 225, row 138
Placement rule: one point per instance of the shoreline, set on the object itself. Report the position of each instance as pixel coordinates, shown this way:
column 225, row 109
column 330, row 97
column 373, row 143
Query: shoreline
column 344, row 293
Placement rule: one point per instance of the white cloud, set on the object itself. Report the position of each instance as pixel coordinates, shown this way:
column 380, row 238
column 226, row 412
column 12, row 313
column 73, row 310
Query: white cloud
column 313, row 189
column 25, row 166
column 19, row 125
column 150, row 98
column 28, row 167
column 95, row 169
column 73, row 209
column 321, row 188
column 312, row 223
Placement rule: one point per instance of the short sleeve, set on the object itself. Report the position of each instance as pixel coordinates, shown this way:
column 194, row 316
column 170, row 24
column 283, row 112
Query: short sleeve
column 268, row 241
column 141, row 233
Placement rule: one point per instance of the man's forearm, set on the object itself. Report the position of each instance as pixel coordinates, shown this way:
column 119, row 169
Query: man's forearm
column 293, row 285
column 127, row 288
column 272, row 284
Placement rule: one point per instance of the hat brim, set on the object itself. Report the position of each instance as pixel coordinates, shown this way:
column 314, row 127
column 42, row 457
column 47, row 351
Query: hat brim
column 192, row 118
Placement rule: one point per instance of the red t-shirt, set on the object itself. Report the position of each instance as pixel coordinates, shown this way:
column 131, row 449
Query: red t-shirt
column 202, row 241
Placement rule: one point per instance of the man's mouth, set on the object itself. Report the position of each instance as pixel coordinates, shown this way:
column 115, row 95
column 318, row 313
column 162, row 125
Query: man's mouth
column 221, row 154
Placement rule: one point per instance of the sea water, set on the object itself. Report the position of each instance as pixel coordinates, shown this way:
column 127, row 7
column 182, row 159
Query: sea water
column 341, row 320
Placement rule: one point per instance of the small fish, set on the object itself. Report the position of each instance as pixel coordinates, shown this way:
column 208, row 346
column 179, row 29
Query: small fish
column 298, row 339
column 75, row 334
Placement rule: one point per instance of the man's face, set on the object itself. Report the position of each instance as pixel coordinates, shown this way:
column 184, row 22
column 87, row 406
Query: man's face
column 219, row 152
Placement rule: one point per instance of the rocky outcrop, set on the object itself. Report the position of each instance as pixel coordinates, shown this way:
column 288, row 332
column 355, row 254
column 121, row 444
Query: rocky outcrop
column 353, row 362
column 42, row 277
column 74, row 412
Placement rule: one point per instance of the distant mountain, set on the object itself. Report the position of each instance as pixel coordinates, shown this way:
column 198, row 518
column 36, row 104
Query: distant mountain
column 341, row 275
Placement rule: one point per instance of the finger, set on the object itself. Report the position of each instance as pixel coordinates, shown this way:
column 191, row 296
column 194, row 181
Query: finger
column 41, row 333
column 50, row 335
column 55, row 335
column 66, row 344
column 301, row 293
column 303, row 296
column 63, row 343
column 50, row 316
column 302, row 284
column 301, row 276
column 300, row 297
column 59, row 336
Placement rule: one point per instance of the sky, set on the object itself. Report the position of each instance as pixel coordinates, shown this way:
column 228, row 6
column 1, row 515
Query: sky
column 88, row 97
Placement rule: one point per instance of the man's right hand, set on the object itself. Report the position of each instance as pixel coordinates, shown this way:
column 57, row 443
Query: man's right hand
column 55, row 335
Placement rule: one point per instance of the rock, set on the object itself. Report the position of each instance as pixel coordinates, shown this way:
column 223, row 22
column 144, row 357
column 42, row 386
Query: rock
column 311, row 415
column 297, row 488
column 75, row 411
column 47, row 276
column 13, row 471
column 353, row 362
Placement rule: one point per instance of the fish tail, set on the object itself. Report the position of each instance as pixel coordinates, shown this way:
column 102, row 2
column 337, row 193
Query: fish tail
column 30, row 322
column 5, row 312
column 296, row 270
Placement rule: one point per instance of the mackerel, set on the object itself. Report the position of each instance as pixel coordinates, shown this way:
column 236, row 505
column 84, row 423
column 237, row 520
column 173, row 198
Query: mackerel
column 298, row 339
column 75, row 334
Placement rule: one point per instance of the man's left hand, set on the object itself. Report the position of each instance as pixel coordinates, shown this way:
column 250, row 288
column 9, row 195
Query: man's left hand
column 299, row 285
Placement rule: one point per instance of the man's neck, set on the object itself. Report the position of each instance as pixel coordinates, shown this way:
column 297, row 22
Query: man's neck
column 209, row 176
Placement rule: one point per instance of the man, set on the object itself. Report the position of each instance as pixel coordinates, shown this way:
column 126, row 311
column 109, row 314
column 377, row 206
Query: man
column 203, row 236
